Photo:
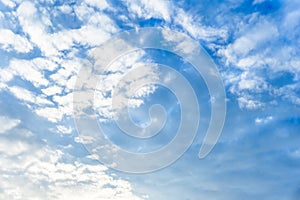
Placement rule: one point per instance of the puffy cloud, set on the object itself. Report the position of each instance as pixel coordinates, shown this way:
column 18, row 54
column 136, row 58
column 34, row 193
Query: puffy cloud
column 252, row 61
column 113, row 76
column 28, row 96
column 252, row 38
column 53, row 114
column 31, row 170
column 53, row 75
column 64, row 129
column 47, row 93
column 13, row 42
column 98, row 4
column 22, row 94
column 97, row 28
column 28, row 70
column 9, row 3
column 34, row 26
column 7, row 124
column 84, row 139
column 195, row 27
column 249, row 103
column 52, row 90
column 148, row 9
column 56, row 88
column 13, row 148
column 5, row 75
column 264, row 120
column 172, row 13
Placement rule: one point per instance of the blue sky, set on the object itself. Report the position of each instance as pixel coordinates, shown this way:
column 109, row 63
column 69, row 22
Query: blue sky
column 255, row 46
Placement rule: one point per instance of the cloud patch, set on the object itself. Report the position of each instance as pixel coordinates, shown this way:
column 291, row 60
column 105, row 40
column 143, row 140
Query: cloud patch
column 8, row 124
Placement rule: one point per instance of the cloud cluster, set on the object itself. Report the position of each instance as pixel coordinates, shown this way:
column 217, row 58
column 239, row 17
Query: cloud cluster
column 45, row 43
column 261, row 51
column 31, row 169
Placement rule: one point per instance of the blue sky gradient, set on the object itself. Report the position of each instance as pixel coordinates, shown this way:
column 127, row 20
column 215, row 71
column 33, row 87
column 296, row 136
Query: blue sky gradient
column 255, row 45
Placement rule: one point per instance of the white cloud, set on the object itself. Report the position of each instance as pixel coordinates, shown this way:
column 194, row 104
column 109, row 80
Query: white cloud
column 53, row 114
column 65, row 103
column 194, row 27
column 30, row 70
column 98, row 4
column 250, row 61
column 183, row 46
column 169, row 12
column 83, row 139
column 44, row 63
column 5, row 75
column 23, row 133
column 33, row 25
column 9, row 3
column 8, row 124
column 27, row 70
column 251, row 53
column 83, row 11
column 34, row 171
column 260, row 47
column 62, row 81
column 28, row 96
column 115, row 73
column 13, row 42
column 52, row 90
column 64, row 129
column 65, row 9
column 13, row 148
column 147, row 9
column 248, row 81
column 249, row 103
column 263, row 120
column 22, row 94
column 288, row 92
column 247, row 86
column 97, row 28
column 252, row 38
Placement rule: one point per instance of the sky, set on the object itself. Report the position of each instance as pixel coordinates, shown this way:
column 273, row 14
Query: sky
column 48, row 46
